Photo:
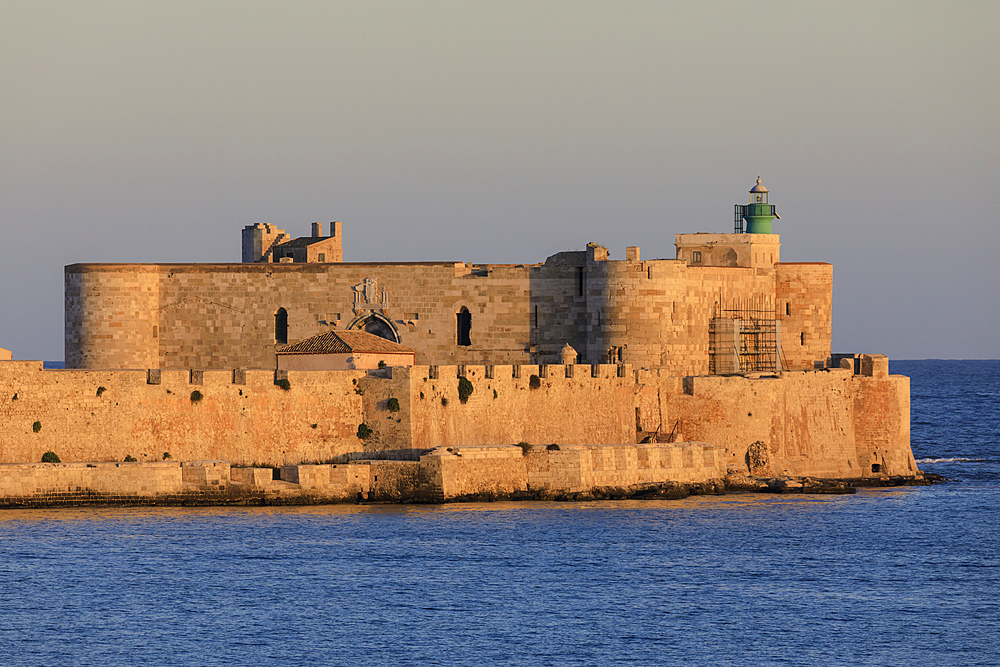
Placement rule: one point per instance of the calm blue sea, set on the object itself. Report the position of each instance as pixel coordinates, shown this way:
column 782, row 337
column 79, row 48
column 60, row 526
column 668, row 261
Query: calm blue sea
column 906, row 576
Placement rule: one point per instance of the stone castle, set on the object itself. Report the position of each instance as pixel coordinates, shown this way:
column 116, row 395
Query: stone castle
column 718, row 359
column 674, row 314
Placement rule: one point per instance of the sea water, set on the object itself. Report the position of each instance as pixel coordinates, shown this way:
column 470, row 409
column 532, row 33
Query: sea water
column 905, row 576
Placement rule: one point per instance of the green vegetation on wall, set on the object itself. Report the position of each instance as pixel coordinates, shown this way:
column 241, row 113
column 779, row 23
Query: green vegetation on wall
column 465, row 389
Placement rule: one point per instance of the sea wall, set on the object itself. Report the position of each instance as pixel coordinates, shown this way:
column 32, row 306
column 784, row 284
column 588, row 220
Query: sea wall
column 443, row 474
column 826, row 423
column 830, row 423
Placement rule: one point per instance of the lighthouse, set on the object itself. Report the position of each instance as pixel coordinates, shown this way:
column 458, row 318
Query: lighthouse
column 758, row 214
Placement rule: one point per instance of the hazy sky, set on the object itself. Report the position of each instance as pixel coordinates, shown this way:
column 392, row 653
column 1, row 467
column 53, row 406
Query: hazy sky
column 508, row 131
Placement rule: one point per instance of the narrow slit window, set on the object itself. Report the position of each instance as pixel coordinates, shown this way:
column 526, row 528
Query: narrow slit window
column 463, row 327
column 281, row 327
column 802, row 338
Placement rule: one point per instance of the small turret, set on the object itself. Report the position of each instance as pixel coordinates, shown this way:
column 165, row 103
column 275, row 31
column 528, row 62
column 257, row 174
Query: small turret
column 758, row 214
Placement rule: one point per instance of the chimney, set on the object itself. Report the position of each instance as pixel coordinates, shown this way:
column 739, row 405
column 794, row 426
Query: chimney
column 317, row 230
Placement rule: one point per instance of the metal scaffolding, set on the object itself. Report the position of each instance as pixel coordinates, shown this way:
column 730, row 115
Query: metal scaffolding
column 744, row 336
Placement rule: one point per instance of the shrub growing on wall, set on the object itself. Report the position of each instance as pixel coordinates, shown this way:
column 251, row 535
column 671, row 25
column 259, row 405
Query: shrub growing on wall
column 534, row 382
column 465, row 389
column 129, row 458
column 364, row 432
column 166, row 455
column 101, row 390
column 284, row 384
column 50, row 457
column 196, row 396
column 36, row 427
column 392, row 404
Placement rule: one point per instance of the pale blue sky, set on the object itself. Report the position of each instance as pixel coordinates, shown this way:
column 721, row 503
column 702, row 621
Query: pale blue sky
column 508, row 131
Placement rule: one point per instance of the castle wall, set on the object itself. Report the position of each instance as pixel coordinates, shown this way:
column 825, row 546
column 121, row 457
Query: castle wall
column 581, row 467
column 117, row 479
column 504, row 409
column 216, row 316
column 244, row 422
column 659, row 311
column 804, row 295
column 829, row 423
column 453, row 473
column 653, row 313
column 111, row 316
column 812, row 423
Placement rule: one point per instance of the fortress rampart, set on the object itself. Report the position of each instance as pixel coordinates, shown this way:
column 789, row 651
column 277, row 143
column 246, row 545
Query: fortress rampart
column 827, row 423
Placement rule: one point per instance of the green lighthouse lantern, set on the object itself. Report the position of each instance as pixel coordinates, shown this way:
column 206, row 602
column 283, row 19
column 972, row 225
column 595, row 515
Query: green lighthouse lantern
column 758, row 214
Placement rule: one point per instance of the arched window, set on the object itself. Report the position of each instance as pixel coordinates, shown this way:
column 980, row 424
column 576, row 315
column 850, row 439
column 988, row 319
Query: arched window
column 463, row 327
column 281, row 327
column 377, row 326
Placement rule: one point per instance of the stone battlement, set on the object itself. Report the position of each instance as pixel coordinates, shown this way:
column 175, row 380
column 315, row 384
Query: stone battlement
column 827, row 423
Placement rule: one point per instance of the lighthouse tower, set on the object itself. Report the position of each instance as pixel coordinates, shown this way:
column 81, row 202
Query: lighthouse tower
column 758, row 214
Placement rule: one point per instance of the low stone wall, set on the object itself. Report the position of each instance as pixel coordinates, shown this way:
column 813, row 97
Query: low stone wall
column 578, row 468
column 508, row 470
column 444, row 474
column 32, row 479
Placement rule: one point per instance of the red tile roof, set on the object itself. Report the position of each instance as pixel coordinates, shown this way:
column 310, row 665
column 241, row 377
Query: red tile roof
column 339, row 342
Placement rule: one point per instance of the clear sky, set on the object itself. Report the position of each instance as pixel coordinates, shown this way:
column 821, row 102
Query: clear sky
column 508, row 131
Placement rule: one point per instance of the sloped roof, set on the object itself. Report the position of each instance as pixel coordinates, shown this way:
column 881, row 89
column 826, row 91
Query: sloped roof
column 303, row 241
column 339, row 342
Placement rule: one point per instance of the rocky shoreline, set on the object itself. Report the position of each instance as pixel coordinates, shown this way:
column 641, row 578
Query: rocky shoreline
column 241, row 496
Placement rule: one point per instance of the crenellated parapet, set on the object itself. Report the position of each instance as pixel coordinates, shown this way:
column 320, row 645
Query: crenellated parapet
column 832, row 422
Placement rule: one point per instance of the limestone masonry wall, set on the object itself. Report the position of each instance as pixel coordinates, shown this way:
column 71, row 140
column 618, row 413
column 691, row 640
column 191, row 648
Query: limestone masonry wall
column 804, row 295
column 828, row 423
column 652, row 313
column 442, row 474
column 108, row 415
